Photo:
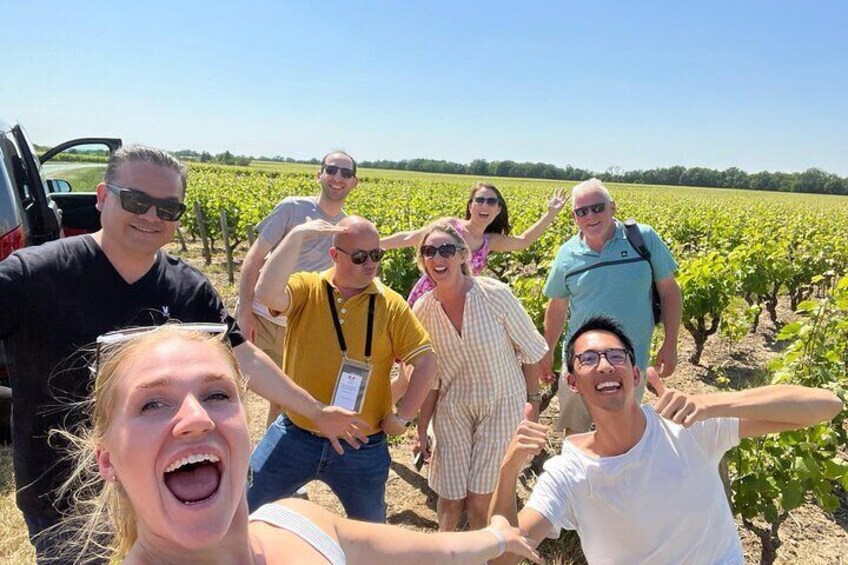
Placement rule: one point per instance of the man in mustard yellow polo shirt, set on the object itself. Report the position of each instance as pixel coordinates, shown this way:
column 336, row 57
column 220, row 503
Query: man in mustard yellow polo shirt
column 345, row 329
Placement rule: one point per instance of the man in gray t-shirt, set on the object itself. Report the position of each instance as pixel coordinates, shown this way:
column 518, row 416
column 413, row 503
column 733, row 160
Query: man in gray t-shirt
column 337, row 178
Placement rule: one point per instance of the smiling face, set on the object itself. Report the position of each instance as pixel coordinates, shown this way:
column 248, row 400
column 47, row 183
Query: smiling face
column 139, row 234
column 596, row 227
column 484, row 213
column 336, row 187
column 443, row 270
column 177, row 443
column 359, row 235
column 605, row 386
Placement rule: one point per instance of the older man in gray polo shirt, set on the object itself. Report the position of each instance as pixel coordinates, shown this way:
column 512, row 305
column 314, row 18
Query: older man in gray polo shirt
column 337, row 178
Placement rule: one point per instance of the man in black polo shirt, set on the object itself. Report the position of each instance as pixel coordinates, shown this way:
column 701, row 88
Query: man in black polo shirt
column 57, row 298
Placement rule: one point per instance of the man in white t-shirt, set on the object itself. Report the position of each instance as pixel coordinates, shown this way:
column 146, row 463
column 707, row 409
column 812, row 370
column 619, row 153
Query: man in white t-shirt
column 337, row 178
column 644, row 486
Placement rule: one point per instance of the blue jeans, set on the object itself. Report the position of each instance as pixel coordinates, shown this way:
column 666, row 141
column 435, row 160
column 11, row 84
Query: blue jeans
column 288, row 457
column 51, row 541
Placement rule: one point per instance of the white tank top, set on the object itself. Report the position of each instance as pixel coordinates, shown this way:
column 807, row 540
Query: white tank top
column 287, row 519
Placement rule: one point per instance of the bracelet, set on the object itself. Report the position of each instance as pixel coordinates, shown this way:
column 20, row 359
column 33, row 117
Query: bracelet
column 405, row 421
column 535, row 397
column 501, row 541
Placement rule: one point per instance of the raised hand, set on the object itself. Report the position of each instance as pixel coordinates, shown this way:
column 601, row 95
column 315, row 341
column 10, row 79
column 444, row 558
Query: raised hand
column 558, row 200
column 316, row 228
column 527, row 443
column 674, row 405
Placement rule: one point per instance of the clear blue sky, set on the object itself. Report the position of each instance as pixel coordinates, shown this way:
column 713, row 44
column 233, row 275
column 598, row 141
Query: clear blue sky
column 753, row 84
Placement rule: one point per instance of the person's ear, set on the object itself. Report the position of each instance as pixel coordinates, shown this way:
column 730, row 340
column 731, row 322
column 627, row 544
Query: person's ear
column 612, row 207
column 101, row 196
column 104, row 465
column 572, row 383
column 334, row 254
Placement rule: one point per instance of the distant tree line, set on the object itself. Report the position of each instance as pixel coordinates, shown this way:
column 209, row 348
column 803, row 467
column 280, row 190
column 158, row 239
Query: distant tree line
column 225, row 158
column 812, row 180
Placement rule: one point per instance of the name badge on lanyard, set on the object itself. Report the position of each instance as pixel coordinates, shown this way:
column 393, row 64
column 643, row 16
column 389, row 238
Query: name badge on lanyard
column 352, row 381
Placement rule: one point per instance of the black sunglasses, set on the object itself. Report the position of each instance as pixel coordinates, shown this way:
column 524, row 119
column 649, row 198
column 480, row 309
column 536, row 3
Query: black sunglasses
column 591, row 358
column 359, row 257
column 596, row 208
column 137, row 202
column 332, row 170
column 446, row 250
column 490, row 200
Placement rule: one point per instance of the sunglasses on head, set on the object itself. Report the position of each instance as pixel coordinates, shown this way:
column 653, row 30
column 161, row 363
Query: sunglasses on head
column 614, row 355
column 446, row 250
column 359, row 257
column 490, row 200
column 120, row 336
column 137, row 202
column 595, row 208
column 331, row 170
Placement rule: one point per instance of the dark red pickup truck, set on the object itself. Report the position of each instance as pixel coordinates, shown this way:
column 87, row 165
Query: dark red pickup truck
column 34, row 209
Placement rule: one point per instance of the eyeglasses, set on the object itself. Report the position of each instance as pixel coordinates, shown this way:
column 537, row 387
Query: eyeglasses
column 490, row 200
column 591, row 358
column 331, row 170
column 595, row 208
column 446, row 250
column 138, row 202
column 120, row 336
column 359, row 257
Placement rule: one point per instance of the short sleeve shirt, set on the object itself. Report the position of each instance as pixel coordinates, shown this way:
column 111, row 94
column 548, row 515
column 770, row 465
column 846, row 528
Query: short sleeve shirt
column 56, row 299
column 615, row 282
column 313, row 356
column 484, row 363
column 661, row 502
column 314, row 253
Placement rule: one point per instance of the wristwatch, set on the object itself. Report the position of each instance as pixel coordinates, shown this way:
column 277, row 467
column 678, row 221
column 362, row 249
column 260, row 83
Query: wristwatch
column 405, row 421
column 535, row 397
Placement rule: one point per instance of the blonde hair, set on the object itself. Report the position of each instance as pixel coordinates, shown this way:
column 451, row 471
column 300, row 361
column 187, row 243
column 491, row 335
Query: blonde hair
column 446, row 226
column 102, row 513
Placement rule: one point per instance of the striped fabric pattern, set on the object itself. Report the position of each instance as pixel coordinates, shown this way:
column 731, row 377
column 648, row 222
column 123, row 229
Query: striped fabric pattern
column 484, row 364
column 480, row 382
column 287, row 519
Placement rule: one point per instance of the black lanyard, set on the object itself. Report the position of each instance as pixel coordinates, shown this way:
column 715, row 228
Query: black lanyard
column 369, row 332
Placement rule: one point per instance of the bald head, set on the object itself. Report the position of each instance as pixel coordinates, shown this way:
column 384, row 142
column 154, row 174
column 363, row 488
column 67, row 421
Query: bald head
column 357, row 229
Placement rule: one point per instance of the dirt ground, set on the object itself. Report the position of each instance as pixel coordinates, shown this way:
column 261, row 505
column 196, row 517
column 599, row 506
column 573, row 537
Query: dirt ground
column 809, row 536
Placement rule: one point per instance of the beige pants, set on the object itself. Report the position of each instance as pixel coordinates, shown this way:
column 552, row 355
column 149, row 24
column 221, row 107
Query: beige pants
column 270, row 338
column 573, row 415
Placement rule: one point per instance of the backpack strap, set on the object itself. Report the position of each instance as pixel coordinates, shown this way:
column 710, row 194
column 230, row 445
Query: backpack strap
column 634, row 237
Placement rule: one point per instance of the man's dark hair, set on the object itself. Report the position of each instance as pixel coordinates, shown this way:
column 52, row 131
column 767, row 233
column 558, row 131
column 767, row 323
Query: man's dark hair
column 143, row 154
column 352, row 160
column 598, row 324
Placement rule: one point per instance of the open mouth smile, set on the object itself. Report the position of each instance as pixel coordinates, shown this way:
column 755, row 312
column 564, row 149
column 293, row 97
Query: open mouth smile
column 608, row 387
column 195, row 478
column 143, row 229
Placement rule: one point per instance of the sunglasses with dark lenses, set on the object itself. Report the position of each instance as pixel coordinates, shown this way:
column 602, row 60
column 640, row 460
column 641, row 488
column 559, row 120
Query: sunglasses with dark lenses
column 446, row 250
column 591, row 358
column 359, row 257
column 137, row 202
column 596, row 208
column 490, row 200
column 332, row 170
